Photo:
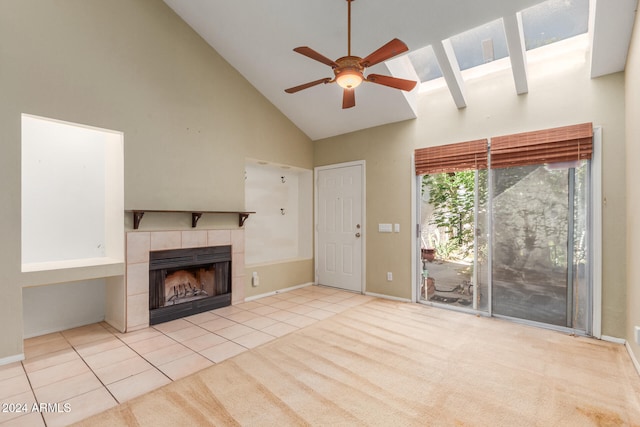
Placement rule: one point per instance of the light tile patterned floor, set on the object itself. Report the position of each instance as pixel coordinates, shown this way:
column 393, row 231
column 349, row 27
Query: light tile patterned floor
column 92, row 368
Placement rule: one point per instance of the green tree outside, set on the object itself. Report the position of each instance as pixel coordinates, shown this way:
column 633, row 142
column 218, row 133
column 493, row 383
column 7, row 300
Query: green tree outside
column 452, row 196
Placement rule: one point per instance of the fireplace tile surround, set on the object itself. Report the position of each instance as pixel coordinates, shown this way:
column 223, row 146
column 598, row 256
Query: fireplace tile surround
column 140, row 243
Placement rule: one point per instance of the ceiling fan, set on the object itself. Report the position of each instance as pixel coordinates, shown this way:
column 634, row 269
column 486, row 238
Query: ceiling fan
column 349, row 70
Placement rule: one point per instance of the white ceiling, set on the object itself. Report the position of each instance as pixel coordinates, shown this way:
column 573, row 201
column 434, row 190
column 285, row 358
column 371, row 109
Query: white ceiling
column 257, row 37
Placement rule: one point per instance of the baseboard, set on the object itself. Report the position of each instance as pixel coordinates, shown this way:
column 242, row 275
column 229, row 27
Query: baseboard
column 632, row 355
column 383, row 296
column 11, row 359
column 279, row 291
column 613, row 339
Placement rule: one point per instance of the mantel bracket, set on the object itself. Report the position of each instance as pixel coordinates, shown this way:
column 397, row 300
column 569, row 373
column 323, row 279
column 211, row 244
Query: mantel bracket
column 137, row 217
column 195, row 216
column 242, row 217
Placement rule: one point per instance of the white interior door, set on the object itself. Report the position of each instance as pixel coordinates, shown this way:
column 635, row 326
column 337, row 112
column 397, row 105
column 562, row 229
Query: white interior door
column 339, row 225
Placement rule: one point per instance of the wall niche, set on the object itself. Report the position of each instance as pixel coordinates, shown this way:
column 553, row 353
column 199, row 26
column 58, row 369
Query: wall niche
column 72, row 195
column 72, row 225
column 282, row 228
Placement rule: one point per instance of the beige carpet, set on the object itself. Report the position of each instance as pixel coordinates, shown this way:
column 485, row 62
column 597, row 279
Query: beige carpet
column 395, row 364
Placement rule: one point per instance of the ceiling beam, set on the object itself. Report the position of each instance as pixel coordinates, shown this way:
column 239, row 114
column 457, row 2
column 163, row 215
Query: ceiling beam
column 611, row 27
column 517, row 51
column 448, row 63
column 403, row 68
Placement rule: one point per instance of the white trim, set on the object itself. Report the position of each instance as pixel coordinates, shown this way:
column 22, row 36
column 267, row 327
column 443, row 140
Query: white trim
column 362, row 163
column 414, row 231
column 389, row 297
column 614, row 340
column 11, row 359
column 279, row 291
column 596, row 232
column 632, row 356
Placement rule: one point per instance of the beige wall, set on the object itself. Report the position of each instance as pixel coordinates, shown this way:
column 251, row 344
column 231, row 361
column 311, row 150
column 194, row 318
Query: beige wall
column 386, row 150
column 134, row 66
column 633, row 191
column 276, row 276
column 189, row 119
column 565, row 97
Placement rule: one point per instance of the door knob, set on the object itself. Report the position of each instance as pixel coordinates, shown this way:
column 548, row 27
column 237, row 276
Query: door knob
column 357, row 234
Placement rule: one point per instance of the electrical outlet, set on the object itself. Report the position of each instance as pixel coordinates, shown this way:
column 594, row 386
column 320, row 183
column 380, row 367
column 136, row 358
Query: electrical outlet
column 389, row 276
column 637, row 330
column 255, row 280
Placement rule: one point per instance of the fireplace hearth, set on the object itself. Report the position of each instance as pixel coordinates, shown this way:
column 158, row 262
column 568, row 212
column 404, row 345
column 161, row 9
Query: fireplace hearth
column 183, row 282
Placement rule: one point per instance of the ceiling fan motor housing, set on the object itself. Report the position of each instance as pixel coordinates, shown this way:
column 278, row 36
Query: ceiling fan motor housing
column 349, row 72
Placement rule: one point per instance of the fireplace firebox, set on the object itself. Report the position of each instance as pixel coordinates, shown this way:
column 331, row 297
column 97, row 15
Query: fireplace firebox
column 183, row 282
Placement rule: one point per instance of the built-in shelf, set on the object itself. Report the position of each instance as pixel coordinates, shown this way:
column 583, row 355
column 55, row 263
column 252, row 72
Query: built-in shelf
column 67, row 271
column 195, row 215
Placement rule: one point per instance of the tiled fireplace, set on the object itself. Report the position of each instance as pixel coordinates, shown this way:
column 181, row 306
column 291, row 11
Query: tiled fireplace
column 141, row 243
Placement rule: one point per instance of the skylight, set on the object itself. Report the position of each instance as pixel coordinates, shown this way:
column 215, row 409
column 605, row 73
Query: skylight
column 554, row 20
column 543, row 24
column 480, row 45
column 425, row 62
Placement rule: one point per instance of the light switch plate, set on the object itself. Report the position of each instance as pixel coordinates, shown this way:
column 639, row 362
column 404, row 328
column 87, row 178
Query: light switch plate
column 384, row 228
column 396, row 228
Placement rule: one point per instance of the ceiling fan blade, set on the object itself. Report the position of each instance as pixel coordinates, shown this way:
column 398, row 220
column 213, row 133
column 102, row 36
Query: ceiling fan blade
column 349, row 98
column 389, row 50
column 310, row 53
column 307, row 85
column 393, row 82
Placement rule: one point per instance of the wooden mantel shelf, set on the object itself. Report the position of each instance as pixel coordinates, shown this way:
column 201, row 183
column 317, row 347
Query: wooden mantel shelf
column 195, row 215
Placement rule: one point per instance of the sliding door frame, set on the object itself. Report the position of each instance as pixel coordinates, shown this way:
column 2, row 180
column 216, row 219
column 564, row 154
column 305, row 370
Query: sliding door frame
column 416, row 268
column 594, row 323
column 596, row 233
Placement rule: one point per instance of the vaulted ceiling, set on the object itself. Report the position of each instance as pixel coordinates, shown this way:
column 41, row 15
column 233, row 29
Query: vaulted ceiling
column 257, row 37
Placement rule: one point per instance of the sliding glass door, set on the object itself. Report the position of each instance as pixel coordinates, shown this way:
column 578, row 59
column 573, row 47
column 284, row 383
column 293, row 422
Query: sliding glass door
column 539, row 243
column 511, row 242
column 454, row 251
column 505, row 226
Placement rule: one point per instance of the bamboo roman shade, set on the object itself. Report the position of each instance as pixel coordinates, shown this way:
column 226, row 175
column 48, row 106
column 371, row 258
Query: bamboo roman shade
column 452, row 157
column 555, row 145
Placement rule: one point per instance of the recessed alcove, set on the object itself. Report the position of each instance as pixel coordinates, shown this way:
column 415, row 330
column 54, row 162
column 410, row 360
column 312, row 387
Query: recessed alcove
column 281, row 229
column 72, row 195
column 76, row 304
column 72, row 233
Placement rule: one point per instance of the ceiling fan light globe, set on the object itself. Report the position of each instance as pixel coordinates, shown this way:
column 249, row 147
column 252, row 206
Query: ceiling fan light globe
column 349, row 79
